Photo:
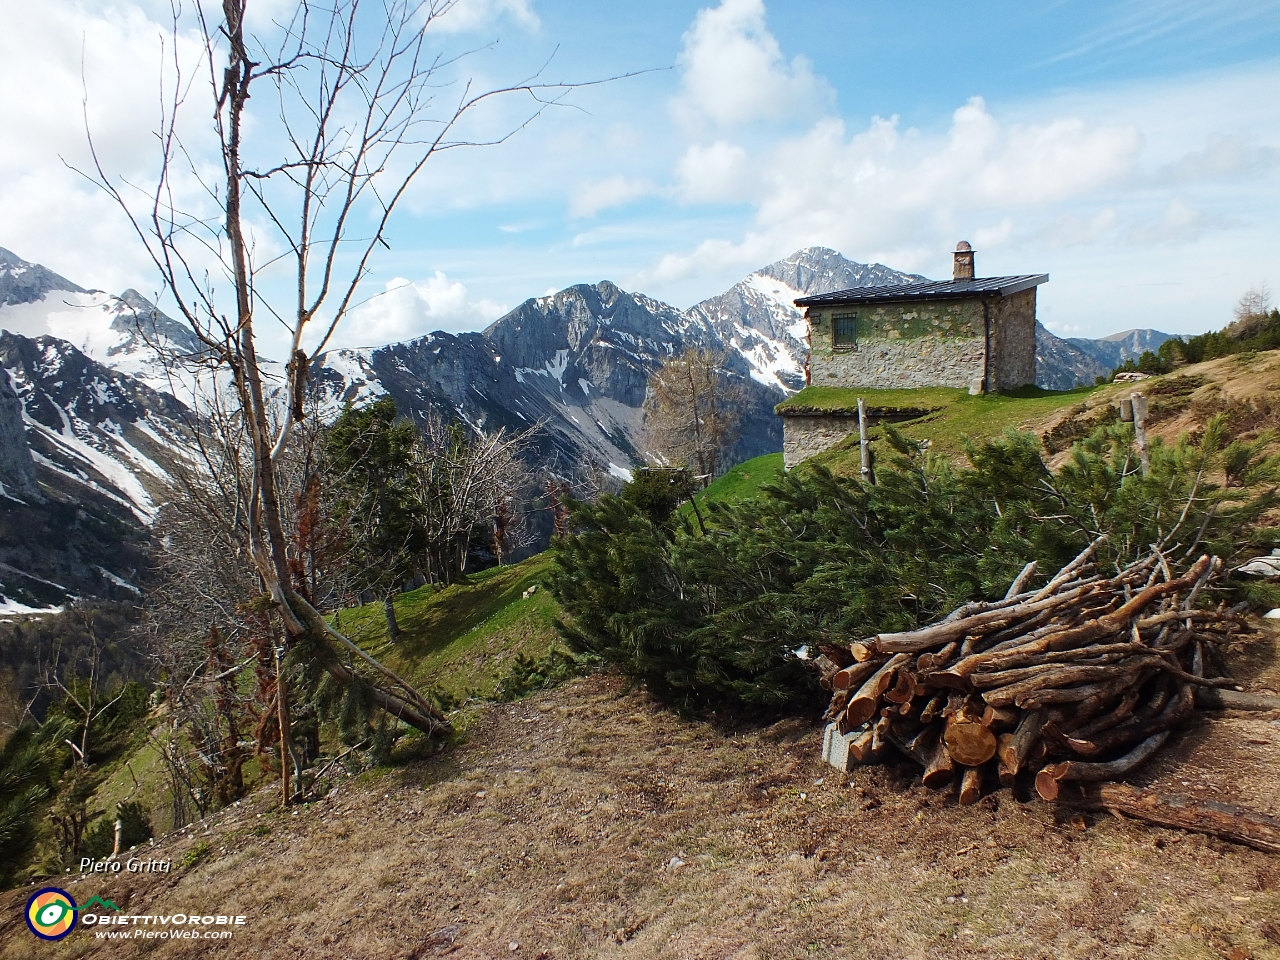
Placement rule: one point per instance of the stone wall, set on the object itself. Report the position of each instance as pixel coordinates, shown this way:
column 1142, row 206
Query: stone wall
column 805, row 435
column 933, row 343
column 1013, row 341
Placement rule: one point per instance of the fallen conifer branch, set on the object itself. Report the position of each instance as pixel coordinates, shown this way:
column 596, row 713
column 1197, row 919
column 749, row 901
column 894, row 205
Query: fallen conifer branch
column 1249, row 827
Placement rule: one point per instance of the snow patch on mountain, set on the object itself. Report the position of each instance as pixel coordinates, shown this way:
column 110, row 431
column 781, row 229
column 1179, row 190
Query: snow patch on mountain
column 354, row 381
column 84, row 454
column 126, row 333
column 554, row 369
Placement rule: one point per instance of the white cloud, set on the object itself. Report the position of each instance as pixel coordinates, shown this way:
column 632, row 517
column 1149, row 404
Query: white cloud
column 408, row 309
column 590, row 198
column 896, row 196
column 718, row 173
column 1136, row 23
column 48, row 61
column 1180, row 223
column 734, row 71
column 1222, row 157
column 1151, row 203
column 1070, row 230
column 470, row 15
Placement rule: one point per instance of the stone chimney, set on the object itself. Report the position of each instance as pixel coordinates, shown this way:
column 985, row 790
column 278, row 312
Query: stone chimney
column 963, row 266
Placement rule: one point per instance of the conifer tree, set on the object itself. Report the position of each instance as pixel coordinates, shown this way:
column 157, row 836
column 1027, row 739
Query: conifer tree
column 370, row 455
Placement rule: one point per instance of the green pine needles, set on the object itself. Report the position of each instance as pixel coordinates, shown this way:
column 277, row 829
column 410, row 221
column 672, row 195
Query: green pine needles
column 721, row 620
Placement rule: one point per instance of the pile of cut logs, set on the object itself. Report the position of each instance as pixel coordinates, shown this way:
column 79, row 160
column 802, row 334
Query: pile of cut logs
column 1079, row 680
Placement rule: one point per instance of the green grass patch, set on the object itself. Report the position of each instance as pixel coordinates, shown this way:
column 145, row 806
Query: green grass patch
column 844, row 398
column 195, row 854
column 953, row 414
column 741, row 482
column 463, row 639
column 139, row 775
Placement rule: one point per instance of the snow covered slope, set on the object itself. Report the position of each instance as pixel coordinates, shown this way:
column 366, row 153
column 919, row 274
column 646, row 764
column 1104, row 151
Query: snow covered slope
column 104, row 446
column 126, row 332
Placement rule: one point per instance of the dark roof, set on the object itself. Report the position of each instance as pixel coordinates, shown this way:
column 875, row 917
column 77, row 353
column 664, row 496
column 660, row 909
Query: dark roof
column 930, row 290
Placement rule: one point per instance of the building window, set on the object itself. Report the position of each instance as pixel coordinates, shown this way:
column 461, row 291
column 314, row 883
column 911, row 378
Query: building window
column 844, row 331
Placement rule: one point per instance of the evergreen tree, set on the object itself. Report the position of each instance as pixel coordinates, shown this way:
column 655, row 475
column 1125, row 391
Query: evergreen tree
column 30, row 763
column 370, row 455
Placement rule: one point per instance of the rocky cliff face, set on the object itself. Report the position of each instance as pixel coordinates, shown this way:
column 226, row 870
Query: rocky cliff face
column 22, row 282
column 102, row 445
column 466, row 377
column 17, row 469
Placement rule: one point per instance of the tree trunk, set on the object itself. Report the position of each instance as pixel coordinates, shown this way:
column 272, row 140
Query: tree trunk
column 393, row 627
column 282, row 702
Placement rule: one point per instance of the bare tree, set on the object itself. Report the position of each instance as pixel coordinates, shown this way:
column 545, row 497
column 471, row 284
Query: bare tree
column 463, row 483
column 79, row 684
column 357, row 107
column 207, row 631
column 693, row 410
column 1253, row 304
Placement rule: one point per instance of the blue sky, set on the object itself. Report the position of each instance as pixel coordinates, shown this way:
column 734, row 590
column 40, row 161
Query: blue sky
column 1129, row 149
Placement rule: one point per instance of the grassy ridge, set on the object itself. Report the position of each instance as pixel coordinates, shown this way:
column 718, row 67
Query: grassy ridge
column 954, row 414
column 460, row 640
column 463, row 638
column 742, row 482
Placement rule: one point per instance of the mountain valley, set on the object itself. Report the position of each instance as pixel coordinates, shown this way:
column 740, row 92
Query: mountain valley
column 105, row 421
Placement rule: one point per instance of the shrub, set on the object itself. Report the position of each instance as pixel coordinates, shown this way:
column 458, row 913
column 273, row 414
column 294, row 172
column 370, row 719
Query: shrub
column 719, row 620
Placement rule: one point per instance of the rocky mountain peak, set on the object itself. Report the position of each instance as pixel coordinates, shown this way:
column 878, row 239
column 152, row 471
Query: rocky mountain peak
column 816, row 270
column 23, row 282
column 1110, row 352
column 141, row 321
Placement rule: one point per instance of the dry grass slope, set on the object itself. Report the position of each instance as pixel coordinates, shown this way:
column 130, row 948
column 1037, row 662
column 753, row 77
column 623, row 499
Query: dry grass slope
column 554, row 827
column 553, row 824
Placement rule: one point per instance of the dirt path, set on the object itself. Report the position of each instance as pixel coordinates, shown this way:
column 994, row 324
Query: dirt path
column 561, row 826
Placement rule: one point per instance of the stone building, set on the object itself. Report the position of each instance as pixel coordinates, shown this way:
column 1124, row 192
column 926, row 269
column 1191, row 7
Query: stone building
column 974, row 333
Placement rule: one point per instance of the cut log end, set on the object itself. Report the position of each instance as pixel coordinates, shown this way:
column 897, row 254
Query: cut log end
column 969, row 742
column 1049, row 781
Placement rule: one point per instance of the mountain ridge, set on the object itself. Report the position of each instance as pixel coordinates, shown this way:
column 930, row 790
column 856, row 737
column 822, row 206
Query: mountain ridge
column 104, row 422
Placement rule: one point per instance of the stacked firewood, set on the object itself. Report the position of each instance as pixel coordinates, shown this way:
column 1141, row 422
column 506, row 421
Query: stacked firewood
column 1079, row 680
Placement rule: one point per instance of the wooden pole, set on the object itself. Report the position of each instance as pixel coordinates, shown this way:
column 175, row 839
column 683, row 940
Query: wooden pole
column 282, row 701
column 1140, row 431
column 863, row 444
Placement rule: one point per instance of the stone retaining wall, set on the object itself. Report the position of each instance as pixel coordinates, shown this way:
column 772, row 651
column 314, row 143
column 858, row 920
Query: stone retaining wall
column 804, row 435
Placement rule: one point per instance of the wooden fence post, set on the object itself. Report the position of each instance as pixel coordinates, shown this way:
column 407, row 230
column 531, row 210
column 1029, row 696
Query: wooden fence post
column 863, row 444
column 1140, row 431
